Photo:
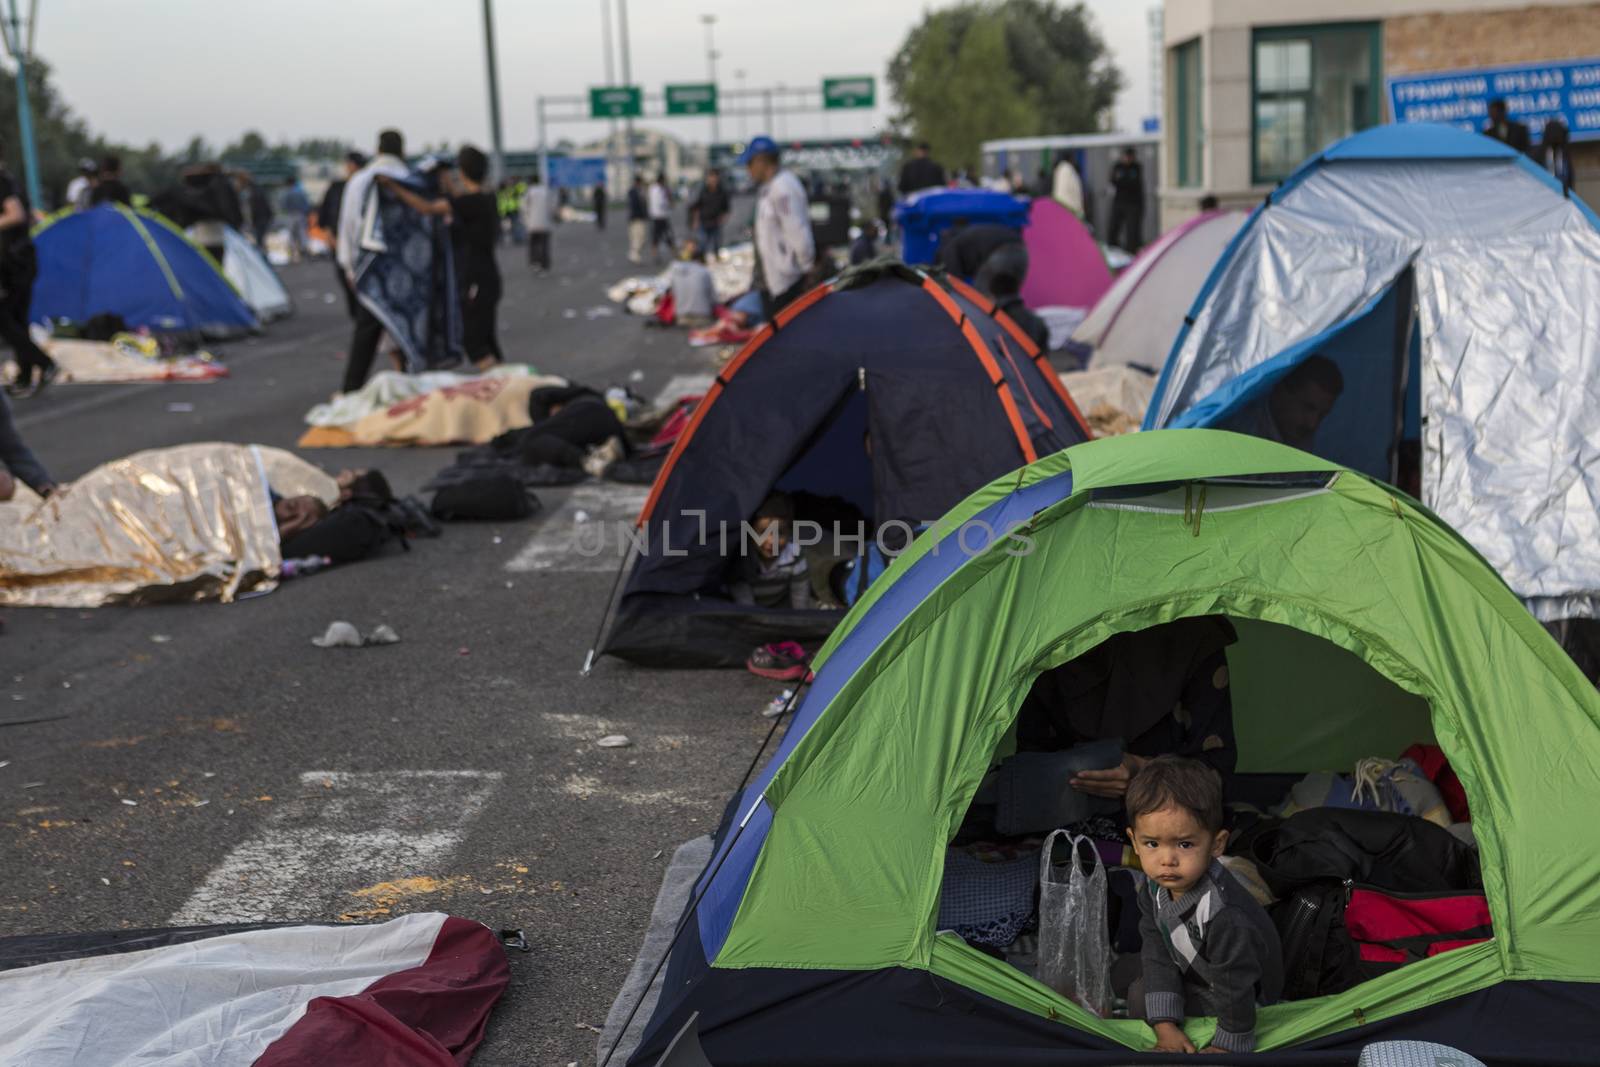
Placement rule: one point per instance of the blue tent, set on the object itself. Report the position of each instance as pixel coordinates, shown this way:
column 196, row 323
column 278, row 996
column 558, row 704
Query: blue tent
column 136, row 264
column 1452, row 282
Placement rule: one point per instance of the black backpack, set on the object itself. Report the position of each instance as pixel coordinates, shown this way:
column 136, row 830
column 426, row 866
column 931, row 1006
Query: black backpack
column 1319, row 955
column 493, row 496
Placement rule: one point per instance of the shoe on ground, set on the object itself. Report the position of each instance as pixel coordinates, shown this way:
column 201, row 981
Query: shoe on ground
column 782, row 661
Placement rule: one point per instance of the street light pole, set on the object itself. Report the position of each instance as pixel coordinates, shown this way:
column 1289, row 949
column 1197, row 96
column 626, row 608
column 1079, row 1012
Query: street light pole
column 627, row 79
column 711, row 69
column 497, row 167
column 19, row 56
column 611, row 77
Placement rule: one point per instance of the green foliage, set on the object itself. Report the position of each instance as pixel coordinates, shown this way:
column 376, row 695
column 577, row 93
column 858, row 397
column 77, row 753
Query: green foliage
column 984, row 69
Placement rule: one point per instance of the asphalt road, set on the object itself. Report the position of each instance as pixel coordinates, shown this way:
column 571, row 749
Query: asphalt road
column 210, row 764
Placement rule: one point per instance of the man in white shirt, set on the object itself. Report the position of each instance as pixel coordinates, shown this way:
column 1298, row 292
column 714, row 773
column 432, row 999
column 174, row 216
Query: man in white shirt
column 536, row 220
column 353, row 209
column 659, row 202
column 785, row 249
column 79, row 188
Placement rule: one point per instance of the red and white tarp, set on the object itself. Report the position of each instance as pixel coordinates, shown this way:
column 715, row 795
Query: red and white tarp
column 415, row 991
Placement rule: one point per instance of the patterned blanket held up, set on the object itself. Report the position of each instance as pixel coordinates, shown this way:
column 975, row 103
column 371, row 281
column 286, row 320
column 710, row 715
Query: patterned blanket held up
column 405, row 276
column 187, row 523
column 474, row 412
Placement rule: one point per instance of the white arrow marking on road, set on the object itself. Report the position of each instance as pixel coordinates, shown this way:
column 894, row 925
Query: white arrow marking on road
column 337, row 837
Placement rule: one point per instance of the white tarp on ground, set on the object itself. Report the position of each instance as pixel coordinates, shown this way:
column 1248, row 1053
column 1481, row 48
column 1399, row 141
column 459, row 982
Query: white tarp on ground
column 254, row 277
column 1507, row 280
column 1138, row 318
column 247, row 998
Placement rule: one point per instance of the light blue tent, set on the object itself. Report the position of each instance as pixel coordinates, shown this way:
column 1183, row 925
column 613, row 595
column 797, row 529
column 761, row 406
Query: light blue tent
column 134, row 263
column 1453, row 282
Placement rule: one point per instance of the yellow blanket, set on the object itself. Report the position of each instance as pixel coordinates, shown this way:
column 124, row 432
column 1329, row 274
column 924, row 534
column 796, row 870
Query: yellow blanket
column 474, row 412
column 187, row 523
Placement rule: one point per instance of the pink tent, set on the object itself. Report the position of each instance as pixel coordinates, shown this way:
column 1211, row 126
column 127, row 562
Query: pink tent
column 1065, row 265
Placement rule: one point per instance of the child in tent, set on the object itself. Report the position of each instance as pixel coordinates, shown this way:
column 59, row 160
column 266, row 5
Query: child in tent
column 1208, row 947
column 775, row 575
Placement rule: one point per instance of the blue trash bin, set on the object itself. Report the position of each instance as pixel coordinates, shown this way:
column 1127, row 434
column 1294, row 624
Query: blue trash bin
column 925, row 215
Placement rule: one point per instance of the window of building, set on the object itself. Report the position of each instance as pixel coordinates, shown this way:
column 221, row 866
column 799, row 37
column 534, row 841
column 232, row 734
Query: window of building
column 1191, row 132
column 1310, row 86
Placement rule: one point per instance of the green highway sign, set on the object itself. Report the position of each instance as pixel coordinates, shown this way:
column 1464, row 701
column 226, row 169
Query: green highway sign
column 849, row 92
column 616, row 102
column 699, row 98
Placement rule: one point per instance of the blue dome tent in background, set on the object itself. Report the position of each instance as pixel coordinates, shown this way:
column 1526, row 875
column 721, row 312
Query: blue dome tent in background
column 1453, row 282
column 133, row 263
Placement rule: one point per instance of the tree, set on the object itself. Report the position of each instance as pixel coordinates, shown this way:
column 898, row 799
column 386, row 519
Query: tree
column 1015, row 68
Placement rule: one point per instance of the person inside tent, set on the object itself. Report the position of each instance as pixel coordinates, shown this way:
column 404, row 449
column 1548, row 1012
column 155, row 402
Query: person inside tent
column 1002, row 277
column 1295, row 409
column 775, row 574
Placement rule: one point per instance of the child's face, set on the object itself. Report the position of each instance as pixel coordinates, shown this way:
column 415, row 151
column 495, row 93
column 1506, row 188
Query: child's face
column 1174, row 848
column 769, row 536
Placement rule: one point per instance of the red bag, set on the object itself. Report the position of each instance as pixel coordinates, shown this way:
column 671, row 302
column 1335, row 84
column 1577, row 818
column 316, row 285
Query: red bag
column 1393, row 929
column 1437, row 769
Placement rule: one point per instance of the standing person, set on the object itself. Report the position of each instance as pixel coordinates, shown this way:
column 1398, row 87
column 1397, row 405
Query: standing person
column 785, row 249
column 1502, row 129
column 296, row 205
column 109, row 187
column 80, row 187
column 473, row 212
column 328, row 219
column 536, row 220
column 920, row 171
column 886, row 206
column 205, row 204
column 638, row 220
column 17, row 460
column 598, row 198
column 1555, row 153
column 389, row 162
column 19, row 265
column 710, row 211
column 1127, row 203
column 1066, row 187
column 660, row 205
column 256, row 207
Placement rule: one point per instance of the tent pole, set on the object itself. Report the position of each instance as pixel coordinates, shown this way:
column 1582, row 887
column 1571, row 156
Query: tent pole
column 611, row 599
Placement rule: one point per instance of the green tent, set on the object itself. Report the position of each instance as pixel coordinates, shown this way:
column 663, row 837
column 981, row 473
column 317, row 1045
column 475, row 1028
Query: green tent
column 1363, row 622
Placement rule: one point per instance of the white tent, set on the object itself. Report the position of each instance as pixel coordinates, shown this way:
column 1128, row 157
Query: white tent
column 1452, row 284
column 250, row 273
column 1135, row 322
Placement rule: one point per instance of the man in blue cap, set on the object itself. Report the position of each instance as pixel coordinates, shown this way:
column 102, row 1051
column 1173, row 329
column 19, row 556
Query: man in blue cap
column 785, row 250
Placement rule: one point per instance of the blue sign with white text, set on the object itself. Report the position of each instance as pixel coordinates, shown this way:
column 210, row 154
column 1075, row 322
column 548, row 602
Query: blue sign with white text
column 1568, row 90
column 572, row 172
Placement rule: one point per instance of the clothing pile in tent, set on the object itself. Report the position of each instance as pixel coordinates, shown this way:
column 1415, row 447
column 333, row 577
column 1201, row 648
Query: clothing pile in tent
column 872, row 404
column 135, row 264
column 1430, row 294
column 819, row 910
column 415, row 990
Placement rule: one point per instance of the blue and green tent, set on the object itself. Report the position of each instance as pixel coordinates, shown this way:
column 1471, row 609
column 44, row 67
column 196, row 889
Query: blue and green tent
column 135, row 263
column 1364, row 623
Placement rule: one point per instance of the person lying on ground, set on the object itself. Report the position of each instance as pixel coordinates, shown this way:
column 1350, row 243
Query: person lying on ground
column 296, row 514
column 17, row 460
column 1208, row 947
column 573, row 427
column 1297, row 406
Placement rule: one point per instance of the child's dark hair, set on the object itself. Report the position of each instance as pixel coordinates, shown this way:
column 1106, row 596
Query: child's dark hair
column 777, row 506
column 1176, row 782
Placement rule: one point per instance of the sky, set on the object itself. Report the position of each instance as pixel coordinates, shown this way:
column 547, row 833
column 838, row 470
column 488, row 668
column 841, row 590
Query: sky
column 346, row 68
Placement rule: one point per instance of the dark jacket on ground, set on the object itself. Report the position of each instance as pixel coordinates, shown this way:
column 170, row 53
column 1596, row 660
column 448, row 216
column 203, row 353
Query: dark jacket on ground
column 1214, row 952
column 920, row 173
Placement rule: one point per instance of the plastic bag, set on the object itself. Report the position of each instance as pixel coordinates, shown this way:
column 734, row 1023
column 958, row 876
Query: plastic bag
column 1074, row 938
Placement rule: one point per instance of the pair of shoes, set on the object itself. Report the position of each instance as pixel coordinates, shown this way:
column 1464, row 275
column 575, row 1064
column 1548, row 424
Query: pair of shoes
column 40, row 384
column 782, row 661
column 597, row 462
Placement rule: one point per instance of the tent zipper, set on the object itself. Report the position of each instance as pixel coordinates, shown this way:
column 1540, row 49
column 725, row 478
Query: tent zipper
column 861, row 378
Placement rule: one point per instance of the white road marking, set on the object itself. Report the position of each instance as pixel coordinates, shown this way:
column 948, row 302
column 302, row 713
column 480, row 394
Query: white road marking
column 684, row 385
column 340, row 832
column 588, row 531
